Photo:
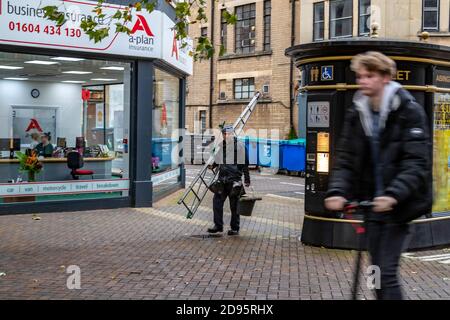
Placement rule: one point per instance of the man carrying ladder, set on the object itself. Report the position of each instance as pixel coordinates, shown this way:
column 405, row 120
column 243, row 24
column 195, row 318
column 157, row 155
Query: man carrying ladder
column 207, row 177
column 232, row 163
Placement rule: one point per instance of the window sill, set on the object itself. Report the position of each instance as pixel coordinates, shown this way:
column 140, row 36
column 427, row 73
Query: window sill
column 436, row 33
column 241, row 101
column 245, row 55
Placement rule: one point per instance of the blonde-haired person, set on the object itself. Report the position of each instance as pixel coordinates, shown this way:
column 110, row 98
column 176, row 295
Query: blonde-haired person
column 35, row 137
column 384, row 156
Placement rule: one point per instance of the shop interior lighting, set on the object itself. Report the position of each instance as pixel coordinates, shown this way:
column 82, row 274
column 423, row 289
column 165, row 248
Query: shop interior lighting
column 67, row 59
column 103, row 79
column 18, row 79
column 113, row 68
column 10, row 68
column 41, row 62
column 77, row 72
column 74, row 81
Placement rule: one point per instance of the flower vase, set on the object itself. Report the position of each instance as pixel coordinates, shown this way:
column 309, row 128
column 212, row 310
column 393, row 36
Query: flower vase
column 31, row 176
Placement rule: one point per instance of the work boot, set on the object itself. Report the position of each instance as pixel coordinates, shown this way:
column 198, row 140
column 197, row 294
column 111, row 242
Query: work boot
column 233, row 232
column 215, row 229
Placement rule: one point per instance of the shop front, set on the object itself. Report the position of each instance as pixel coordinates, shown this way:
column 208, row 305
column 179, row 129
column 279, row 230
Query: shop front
column 327, row 86
column 86, row 125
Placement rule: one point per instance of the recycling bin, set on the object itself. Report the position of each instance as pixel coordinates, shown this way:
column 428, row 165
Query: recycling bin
column 293, row 155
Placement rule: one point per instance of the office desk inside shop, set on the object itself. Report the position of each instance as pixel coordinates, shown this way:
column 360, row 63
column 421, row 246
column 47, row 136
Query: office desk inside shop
column 55, row 169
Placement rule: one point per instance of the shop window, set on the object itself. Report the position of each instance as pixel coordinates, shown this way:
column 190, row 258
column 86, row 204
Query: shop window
column 341, row 18
column 319, row 21
column 166, row 133
column 245, row 28
column 244, row 88
column 430, row 15
column 70, row 119
column 267, row 22
column 364, row 18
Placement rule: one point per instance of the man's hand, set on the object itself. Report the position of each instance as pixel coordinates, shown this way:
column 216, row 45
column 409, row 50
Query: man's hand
column 383, row 204
column 335, row 203
column 247, row 184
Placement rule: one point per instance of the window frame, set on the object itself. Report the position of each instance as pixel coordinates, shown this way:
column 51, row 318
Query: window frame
column 251, row 47
column 202, row 29
column 438, row 20
column 360, row 15
column 223, row 30
column 316, row 4
column 344, row 18
column 267, row 27
column 250, row 93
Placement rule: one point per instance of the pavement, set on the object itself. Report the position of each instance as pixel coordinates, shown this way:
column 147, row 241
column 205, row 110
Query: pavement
column 156, row 253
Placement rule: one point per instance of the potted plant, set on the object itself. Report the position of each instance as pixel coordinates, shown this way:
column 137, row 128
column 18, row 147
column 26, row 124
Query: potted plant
column 30, row 164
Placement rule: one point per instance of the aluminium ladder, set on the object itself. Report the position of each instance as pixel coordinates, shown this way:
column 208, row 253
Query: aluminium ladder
column 197, row 190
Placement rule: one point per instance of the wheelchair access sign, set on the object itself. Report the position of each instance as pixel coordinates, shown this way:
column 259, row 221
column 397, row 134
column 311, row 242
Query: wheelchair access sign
column 327, row 73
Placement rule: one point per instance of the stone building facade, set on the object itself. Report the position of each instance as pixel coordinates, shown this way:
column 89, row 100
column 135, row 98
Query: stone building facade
column 255, row 60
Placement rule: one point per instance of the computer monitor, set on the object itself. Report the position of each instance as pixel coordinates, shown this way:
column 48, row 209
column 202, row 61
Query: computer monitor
column 8, row 144
column 61, row 142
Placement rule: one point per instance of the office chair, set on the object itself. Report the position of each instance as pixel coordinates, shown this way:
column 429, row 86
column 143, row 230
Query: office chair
column 75, row 162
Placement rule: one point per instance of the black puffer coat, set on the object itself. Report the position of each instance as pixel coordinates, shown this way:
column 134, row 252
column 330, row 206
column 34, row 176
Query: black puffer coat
column 405, row 155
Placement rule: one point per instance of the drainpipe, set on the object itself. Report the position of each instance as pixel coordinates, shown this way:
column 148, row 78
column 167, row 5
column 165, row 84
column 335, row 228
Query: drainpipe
column 291, row 69
column 211, row 67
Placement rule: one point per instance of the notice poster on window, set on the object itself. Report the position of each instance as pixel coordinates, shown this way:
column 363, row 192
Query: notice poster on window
column 318, row 114
column 323, row 162
column 99, row 115
column 323, row 142
column 441, row 153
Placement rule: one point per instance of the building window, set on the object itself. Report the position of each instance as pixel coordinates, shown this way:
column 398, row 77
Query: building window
column 430, row 15
column 223, row 30
column 244, row 88
column 245, row 29
column 202, row 121
column 204, row 32
column 364, row 17
column 267, row 18
column 341, row 18
column 319, row 21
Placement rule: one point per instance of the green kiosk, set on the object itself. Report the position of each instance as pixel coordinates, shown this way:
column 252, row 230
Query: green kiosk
column 329, row 85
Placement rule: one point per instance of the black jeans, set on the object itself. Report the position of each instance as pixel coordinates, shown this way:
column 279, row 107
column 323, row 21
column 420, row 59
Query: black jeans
column 386, row 242
column 218, row 202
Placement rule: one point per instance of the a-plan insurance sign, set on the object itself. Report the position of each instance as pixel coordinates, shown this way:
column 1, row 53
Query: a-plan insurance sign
column 22, row 23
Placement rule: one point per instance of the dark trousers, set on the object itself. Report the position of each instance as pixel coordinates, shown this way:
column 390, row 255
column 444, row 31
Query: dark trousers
column 386, row 242
column 218, row 202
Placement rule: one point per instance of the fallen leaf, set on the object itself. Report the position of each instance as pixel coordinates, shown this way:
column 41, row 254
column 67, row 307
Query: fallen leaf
column 2, row 274
column 36, row 217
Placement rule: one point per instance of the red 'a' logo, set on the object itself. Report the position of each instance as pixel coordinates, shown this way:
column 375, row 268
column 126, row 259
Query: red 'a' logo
column 34, row 125
column 175, row 45
column 142, row 25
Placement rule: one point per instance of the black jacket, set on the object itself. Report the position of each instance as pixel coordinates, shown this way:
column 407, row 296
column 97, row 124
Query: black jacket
column 234, row 164
column 405, row 155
